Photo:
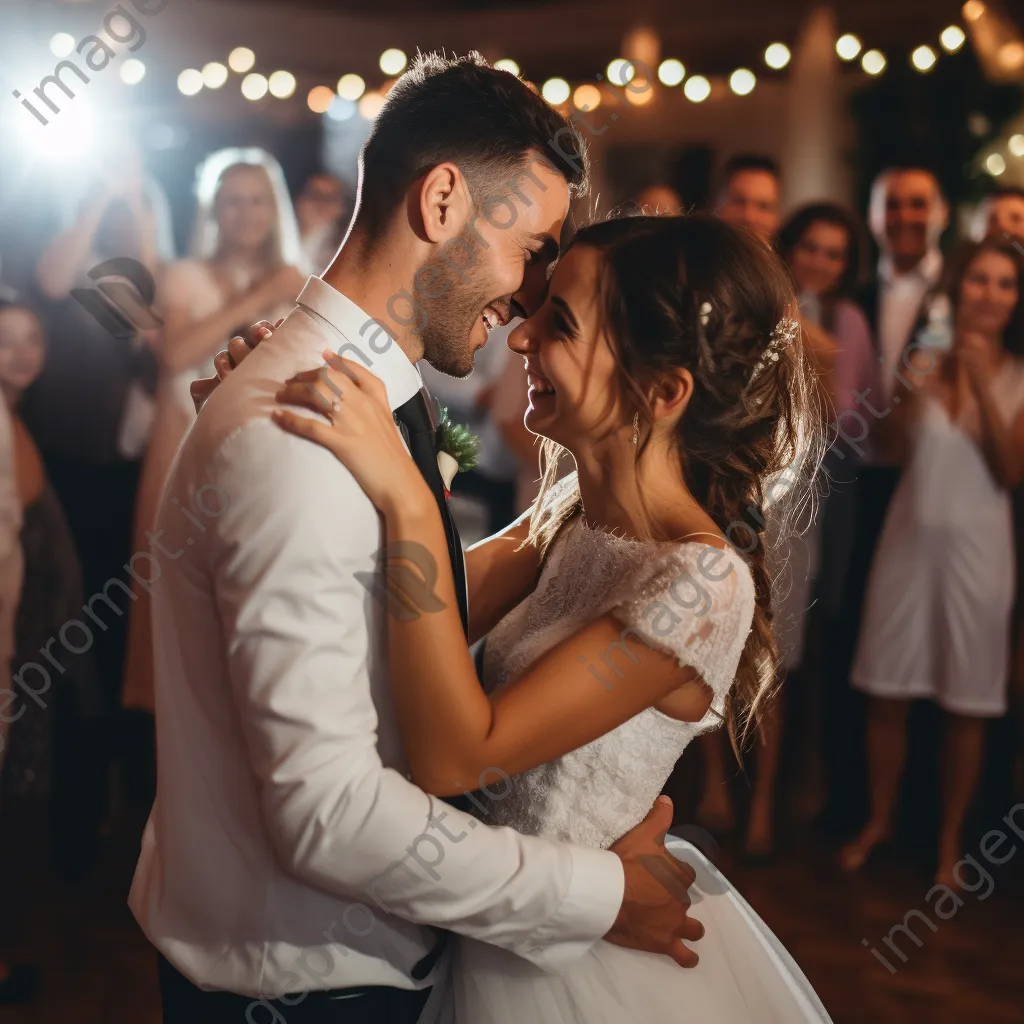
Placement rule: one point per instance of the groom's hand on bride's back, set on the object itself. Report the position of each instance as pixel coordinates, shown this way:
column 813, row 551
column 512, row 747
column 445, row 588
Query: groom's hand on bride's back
column 227, row 359
column 655, row 908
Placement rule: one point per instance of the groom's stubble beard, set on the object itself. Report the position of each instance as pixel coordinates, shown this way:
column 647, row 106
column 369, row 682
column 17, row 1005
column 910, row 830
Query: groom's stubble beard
column 449, row 320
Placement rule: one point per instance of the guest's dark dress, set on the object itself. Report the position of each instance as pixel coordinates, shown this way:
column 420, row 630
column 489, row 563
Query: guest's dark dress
column 54, row 747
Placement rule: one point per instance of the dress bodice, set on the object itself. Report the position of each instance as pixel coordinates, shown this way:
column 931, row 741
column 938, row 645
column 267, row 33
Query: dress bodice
column 691, row 600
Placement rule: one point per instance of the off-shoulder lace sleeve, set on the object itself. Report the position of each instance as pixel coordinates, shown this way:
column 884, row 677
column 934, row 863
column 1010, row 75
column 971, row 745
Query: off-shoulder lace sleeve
column 696, row 602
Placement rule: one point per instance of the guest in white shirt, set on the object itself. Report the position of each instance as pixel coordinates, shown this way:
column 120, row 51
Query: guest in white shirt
column 289, row 866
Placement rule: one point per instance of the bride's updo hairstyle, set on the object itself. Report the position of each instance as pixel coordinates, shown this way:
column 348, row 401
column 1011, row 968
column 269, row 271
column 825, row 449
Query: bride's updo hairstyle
column 691, row 292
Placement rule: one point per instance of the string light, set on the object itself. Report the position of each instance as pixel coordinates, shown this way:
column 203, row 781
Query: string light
column 952, row 38
column 62, row 44
column 671, row 72
column 555, row 91
column 587, row 97
column 190, row 82
column 351, row 87
column 742, row 81
column 132, row 71
column 777, row 56
column 873, row 62
column 320, row 99
column 241, row 59
column 392, row 62
column 214, row 75
column 1016, row 145
column 697, row 89
column 507, row 64
column 620, row 71
column 281, row 84
column 370, row 105
column 923, row 58
column 973, row 10
column 995, row 165
column 848, row 46
column 254, row 87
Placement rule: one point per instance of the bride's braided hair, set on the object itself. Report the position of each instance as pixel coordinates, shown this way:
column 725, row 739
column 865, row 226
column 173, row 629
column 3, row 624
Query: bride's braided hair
column 691, row 292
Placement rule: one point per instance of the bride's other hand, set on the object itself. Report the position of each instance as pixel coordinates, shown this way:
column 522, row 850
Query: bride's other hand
column 361, row 431
column 227, row 359
column 654, row 916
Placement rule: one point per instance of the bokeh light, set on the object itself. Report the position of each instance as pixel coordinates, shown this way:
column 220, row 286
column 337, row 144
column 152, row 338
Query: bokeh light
column 393, row 61
column 254, row 87
column 241, row 59
column 190, row 82
column 214, row 75
column 281, row 84
column 555, row 91
column 351, row 87
column 697, row 89
column 777, row 56
column 671, row 72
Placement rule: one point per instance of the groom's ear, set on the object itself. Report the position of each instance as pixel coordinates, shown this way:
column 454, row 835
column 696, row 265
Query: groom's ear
column 445, row 204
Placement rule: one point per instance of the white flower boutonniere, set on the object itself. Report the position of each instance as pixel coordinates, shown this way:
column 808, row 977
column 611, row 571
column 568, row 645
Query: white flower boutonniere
column 457, row 449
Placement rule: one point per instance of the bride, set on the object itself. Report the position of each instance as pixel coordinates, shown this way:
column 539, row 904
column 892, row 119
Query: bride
column 625, row 614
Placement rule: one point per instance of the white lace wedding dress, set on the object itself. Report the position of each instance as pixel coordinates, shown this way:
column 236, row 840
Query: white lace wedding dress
column 697, row 603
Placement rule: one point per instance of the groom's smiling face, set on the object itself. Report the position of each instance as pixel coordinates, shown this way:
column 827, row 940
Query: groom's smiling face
column 497, row 266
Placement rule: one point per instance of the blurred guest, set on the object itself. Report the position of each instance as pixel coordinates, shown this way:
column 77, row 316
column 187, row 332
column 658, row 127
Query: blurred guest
column 750, row 194
column 321, row 211
column 245, row 267
column 823, row 246
column 17, row 981
column 660, row 200
column 937, row 616
column 902, row 302
column 908, row 214
column 53, row 749
column 88, row 409
column 1001, row 213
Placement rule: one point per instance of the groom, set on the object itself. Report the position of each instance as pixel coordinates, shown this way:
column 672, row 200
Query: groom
column 289, row 870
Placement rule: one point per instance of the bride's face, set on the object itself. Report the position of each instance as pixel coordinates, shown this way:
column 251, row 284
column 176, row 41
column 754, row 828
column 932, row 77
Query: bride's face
column 574, row 393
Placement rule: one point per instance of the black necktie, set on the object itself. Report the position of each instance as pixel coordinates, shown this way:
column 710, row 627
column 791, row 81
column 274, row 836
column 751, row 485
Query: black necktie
column 419, row 432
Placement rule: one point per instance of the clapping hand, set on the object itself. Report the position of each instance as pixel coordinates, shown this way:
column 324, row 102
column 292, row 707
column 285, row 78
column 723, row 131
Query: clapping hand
column 974, row 353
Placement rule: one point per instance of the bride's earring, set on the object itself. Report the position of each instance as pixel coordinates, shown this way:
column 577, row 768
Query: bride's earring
column 636, row 427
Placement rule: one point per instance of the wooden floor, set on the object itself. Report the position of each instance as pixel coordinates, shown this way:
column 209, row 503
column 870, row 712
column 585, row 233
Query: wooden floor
column 99, row 970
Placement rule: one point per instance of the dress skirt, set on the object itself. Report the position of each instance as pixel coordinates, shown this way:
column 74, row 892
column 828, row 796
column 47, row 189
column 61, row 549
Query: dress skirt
column 745, row 975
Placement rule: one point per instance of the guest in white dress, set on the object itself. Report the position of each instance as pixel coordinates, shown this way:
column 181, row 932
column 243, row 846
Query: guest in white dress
column 245, row 262
column 937, row 617
column 664, row 361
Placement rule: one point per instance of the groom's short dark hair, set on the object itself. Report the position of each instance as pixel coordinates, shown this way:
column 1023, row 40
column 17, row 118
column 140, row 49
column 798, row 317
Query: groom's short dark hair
column 461, row 109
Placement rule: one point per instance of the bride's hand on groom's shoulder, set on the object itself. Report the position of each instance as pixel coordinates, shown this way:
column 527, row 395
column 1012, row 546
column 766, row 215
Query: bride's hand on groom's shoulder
column 227, row 359
column 655, row 908
column 359, row 430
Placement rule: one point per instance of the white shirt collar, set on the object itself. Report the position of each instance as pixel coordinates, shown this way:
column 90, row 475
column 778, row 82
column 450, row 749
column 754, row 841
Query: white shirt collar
column 356, row 335
column 927, row 272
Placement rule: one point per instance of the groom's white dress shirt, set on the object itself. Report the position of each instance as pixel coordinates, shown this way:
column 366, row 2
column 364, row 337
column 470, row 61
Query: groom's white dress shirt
column 287, row 850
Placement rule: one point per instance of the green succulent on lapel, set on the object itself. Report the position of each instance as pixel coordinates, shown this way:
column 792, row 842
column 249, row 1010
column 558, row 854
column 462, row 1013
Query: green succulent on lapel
column 455, row 440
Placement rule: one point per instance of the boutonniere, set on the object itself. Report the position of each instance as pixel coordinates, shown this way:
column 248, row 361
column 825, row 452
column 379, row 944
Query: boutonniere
column 457, row 449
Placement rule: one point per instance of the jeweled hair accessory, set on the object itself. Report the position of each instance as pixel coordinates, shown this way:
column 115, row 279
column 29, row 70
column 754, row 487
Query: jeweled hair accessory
column 785, row 332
